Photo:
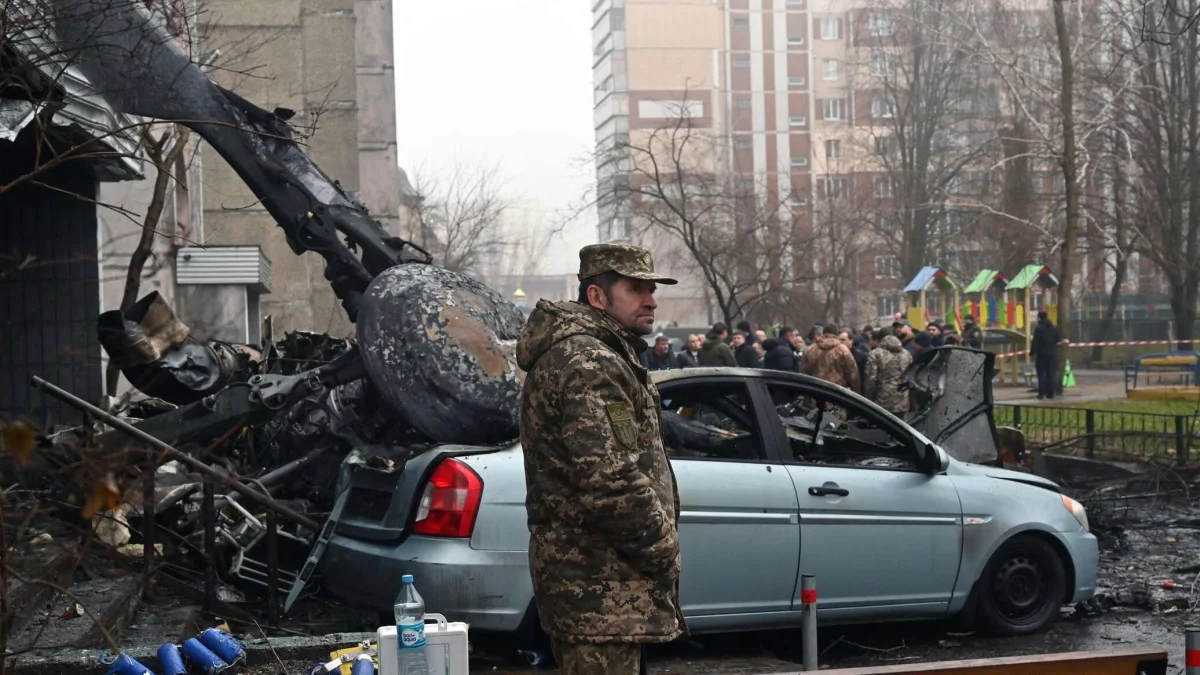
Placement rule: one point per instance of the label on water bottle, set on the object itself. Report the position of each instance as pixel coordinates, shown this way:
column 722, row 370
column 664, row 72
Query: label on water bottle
column 412, row 635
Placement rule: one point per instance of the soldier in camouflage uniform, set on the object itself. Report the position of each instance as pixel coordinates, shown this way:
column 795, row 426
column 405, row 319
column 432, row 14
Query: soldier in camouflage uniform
column 602, row 503
column 831, row 360
column 885, row 370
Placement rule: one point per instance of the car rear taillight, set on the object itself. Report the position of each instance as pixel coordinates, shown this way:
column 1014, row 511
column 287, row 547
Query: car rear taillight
column 450, row 501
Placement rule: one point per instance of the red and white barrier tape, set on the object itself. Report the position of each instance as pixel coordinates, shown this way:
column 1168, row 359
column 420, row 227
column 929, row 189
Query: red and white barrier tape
column 1133, row 343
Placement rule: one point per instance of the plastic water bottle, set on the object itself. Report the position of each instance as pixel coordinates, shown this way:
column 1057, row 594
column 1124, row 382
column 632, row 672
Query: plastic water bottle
column 410, row 630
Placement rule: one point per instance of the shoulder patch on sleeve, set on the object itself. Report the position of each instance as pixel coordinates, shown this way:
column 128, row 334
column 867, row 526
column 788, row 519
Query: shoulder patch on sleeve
column 623, row 426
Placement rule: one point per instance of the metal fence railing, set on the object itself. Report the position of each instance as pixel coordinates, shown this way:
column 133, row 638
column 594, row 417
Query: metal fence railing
column 1104, row 431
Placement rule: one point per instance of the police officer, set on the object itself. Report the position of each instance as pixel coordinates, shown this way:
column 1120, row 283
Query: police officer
column 602, row 503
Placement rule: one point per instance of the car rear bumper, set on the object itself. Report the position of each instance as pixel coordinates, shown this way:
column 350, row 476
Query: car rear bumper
column 1085, row 554
column 490, row 590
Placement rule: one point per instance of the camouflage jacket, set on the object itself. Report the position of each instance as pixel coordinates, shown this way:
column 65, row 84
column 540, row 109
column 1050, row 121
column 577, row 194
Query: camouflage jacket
column 602, row 503
column 831, row 361
column 885, row 371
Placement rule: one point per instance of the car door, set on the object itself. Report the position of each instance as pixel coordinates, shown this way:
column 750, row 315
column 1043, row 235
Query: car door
column 882, row 535
column 738, row 520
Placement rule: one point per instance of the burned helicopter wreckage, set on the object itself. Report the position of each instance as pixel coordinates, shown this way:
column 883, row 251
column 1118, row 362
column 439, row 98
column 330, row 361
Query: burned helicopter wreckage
column 433, row 359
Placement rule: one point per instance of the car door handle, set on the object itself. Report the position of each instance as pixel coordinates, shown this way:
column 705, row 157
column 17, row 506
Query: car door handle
column 823, row 491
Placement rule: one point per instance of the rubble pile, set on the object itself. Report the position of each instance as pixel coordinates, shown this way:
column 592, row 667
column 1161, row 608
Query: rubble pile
column 1147, row 518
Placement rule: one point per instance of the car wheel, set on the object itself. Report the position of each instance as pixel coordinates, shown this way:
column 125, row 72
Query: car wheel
column 1022, row 587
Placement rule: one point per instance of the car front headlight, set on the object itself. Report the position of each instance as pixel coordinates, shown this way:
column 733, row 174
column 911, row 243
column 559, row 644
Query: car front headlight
column 1076, row 510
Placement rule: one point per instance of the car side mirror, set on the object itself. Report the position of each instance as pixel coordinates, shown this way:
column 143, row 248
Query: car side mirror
column 936, row 459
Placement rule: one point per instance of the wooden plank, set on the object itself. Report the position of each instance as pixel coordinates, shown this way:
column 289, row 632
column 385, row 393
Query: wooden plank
column 1130, row 661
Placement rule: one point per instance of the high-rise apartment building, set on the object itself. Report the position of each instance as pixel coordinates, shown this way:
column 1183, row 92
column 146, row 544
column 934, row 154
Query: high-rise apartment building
column 803, row 98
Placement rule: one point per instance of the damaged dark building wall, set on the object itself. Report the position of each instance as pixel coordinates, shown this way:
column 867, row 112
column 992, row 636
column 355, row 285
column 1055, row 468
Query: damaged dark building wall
column 50, row 296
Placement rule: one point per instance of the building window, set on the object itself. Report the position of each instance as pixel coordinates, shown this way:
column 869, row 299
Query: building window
column 881, row 64
column 798, row 121
column 883, row 146
column 833, row 149
column 887, row 305
column 798, row 201
column 880, row 25
column 741, row 62
column 881, row 106
column 881, row 224
column 795, row 3
column 835, row 187
column 887, row 267
column 884, row 187
column 743, row 143
column 831, row 29
column 829, row 69
column 796, row 41
column 798, row 81
column 748, row 184
column 831, row 109
column 800, row 161
column 741, row 22
column 742, row 102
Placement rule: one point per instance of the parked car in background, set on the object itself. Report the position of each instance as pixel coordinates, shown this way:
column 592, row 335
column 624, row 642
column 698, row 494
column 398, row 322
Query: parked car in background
column 779, row 475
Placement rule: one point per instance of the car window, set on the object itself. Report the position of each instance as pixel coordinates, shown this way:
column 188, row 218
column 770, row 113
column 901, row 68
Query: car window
column 827, row 432
column 710, row 421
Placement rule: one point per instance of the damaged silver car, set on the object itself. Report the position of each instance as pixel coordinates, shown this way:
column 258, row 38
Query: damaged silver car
column 779, row 475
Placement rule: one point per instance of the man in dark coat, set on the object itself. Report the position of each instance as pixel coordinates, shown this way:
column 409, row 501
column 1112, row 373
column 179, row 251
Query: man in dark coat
column 690, row 356
column 746, row 356
column 662, row 357
column 779, row 353
column 1044, row 350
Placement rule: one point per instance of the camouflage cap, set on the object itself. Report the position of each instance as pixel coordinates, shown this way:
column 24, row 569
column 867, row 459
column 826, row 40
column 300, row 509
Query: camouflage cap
column 628, row 261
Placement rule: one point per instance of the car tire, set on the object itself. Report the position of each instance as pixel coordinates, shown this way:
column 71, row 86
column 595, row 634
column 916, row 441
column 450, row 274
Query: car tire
column 1022, row 587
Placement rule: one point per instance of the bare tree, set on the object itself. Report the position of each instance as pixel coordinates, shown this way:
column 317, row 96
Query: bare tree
column 1164, row 130
column 933, row 114
column 739, row 234
column 459, row 216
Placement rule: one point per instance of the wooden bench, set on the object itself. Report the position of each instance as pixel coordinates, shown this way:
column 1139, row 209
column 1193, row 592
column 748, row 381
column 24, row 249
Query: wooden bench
column 1029, row 374
column 1184, row 365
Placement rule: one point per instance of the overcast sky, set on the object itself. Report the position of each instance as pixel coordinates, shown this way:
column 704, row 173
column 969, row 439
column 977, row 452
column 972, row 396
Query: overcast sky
column 507, row 83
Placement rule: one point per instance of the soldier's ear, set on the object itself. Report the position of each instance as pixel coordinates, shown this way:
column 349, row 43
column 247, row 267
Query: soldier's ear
column 597, row 298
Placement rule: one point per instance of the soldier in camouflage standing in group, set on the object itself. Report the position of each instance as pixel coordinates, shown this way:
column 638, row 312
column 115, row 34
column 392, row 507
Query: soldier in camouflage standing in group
column 601, row 497
column 885, row 371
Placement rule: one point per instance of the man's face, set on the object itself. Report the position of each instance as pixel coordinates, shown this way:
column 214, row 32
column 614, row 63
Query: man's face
column 904, row 333
column 795, row 340
column 761, row 335
column 758, row 348
column 694, row 342
column 845, row 339
column 738, row 341
column 630, row 303
column 934, row 331
column 661, row 347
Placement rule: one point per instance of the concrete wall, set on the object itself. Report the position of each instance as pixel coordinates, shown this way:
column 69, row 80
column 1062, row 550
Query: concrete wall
column 332, row 57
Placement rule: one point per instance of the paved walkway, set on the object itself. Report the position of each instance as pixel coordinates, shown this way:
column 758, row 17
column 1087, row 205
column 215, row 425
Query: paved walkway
column 1090, row 385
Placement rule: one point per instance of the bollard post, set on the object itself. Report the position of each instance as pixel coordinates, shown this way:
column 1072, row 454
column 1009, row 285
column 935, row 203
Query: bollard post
column 808, row 639
column 1192, row 650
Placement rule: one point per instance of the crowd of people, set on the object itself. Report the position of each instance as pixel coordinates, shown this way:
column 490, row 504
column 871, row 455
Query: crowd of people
column 870, row 361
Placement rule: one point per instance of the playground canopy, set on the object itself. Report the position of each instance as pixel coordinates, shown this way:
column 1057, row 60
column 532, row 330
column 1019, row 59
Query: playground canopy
column 1030, row 274
column 987, row 280
column 931, row 279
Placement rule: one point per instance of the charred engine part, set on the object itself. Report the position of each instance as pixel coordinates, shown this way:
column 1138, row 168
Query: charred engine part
column 962, row 424
column 439, row 348
column 151, row 346
column 129, row 54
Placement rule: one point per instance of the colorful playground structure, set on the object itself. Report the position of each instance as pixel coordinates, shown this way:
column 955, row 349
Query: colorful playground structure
column 994, row 300
column 1006, row 309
